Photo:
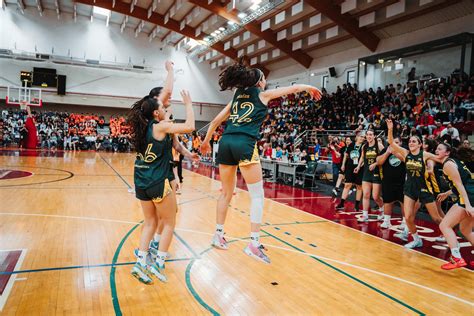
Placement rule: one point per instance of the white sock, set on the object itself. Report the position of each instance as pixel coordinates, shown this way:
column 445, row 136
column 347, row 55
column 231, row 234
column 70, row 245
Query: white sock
column 404, row 222
column 220, row 229
column 456, row 253
column 255, row 238
column 386, row 218
column 365, row 214
column 415, row 237
column 157, row 238
column 141, row 257
column 160, row 258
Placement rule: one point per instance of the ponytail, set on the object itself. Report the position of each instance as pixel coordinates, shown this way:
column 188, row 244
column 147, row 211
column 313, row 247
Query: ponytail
column 239, row 75
column 138, row 118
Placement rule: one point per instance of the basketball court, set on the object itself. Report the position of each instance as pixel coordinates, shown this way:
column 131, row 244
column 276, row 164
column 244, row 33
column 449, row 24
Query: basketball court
column 70, row 221
column 71, row 225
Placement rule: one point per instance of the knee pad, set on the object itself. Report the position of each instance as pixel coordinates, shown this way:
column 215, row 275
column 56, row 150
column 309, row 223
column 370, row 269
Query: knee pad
column 256, row 205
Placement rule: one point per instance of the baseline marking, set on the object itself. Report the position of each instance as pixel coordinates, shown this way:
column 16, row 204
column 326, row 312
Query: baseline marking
column 8, row 288
column 350, row 276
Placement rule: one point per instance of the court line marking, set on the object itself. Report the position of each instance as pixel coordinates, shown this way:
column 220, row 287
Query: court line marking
column 302, row 252
column 294, row 223
column 301, row 198
column 11, row 281
column 350, row 276
column 267, row 245
column 113, row 287
column 116, row 172
column 90, row 218
column 187, row 274
column 329, row 221
column 87, row 266
column 380, row 273
column 70, row 175
column 234, row 239
column 210, row 234
column 71, row 217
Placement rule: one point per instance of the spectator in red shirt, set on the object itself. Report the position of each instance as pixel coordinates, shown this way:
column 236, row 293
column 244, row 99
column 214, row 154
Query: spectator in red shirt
column 426, row 122
column 439, row 128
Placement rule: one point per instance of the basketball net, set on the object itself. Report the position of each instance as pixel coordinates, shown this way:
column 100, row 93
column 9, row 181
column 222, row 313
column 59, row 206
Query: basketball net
column 23, row 105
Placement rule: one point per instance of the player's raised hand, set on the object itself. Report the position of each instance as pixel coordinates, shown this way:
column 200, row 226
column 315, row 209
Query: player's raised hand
column 169, row 65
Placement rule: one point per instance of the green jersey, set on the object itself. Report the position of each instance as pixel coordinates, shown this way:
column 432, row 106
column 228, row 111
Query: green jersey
column 466, row 179
column 247, row 113
column 153, row 165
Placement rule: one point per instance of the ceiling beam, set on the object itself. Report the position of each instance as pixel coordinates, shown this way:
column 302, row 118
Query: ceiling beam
column 390, row 22
column 39, row 6
column 133, row 3
column 403, row 18
column 165, row 36
column 21, row 6
column 346, row 21
column 167, row 12
column 254, row 27
column 58, row 10
column 158, row 19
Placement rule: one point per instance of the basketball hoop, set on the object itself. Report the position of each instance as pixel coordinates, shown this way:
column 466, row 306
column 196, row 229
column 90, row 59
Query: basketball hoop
column 23, row 105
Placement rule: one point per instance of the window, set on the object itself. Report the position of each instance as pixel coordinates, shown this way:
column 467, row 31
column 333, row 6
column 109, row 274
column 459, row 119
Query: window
column 325, row 82
column 351, row 76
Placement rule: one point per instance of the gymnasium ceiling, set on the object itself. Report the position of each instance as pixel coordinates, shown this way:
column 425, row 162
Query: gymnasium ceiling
column 267, row 31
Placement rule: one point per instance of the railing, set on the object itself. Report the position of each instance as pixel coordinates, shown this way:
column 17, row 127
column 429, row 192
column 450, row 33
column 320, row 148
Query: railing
column 203, row 130
column 323, row 136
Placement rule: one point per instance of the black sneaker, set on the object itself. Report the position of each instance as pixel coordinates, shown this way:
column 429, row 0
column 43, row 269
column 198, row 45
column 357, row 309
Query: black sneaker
column 340, row 207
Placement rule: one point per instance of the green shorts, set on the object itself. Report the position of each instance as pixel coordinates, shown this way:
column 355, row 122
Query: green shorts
column 237, row 150
column 155, row 193
column 372, row 176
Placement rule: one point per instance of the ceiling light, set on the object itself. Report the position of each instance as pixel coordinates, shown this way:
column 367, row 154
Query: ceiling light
column 230, row 22
column 242, row 15
column 101, row 11
column 312, row 74
column 381, row 61
column 222, row 28
column 217, row 32
column 254, row 7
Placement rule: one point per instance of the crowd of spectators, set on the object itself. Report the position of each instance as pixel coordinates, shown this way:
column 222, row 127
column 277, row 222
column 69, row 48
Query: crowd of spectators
column 436, row 109
column 297, row 129
column 61, row 130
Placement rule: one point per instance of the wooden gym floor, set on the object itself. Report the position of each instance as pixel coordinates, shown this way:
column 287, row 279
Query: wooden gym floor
column 68, row 230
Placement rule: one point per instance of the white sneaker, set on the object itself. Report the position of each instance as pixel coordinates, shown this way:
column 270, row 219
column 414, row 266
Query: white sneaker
column 440, row 238
column 401, row 236
column 380, row 217
column 363, row 219
column 257, row 252
column 385, row 224
column 414, row 244
column 158, row 272
column 219, row 242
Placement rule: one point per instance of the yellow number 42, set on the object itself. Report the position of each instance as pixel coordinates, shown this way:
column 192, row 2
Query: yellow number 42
column 244, row 118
